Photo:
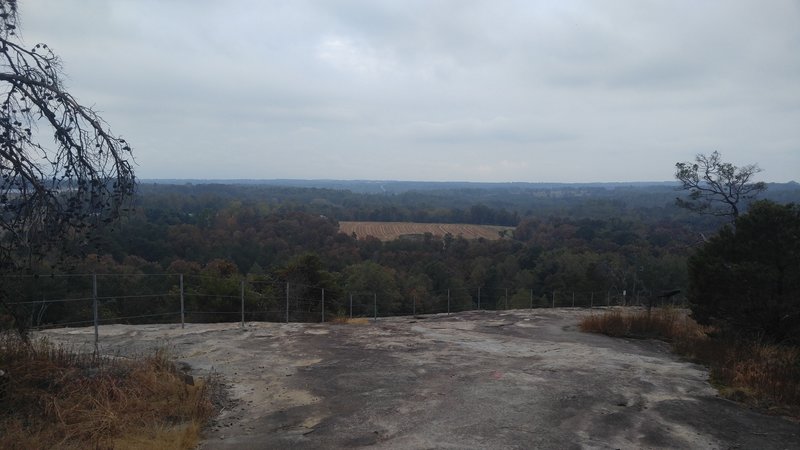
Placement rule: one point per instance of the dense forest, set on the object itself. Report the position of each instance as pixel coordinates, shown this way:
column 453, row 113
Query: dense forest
column 577, row 240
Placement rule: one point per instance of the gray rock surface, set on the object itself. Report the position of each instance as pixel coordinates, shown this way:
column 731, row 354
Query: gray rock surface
column 474, row 380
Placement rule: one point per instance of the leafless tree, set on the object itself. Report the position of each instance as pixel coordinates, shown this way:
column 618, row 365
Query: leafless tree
column 50, row 190
column 716, row 187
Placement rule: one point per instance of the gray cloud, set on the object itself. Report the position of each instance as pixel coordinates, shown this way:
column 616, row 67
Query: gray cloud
column 447, row 90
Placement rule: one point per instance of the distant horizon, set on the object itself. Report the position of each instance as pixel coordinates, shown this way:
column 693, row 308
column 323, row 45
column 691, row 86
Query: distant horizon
column 364, row 180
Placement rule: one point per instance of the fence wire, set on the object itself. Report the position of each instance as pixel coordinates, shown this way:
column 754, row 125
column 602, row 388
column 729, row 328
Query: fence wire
column 84, row 299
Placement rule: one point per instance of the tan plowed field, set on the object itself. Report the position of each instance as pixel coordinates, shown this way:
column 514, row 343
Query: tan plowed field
column 388, row 231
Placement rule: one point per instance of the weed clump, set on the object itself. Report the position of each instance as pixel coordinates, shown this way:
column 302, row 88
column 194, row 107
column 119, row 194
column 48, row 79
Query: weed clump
column 350, row 320
column 51, row 396
column 756, row 373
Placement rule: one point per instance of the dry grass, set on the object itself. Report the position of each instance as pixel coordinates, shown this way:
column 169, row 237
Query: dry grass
column 53, row 397
column 389, row 231
column 661, row 323
column 758, row 374
column 764, row 375
column 351, row 320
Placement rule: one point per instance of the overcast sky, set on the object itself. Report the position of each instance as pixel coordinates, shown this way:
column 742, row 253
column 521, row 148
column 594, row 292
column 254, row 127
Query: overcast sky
column 537, row 91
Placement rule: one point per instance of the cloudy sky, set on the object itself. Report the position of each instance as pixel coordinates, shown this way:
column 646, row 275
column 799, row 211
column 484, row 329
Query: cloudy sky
column 550, row 91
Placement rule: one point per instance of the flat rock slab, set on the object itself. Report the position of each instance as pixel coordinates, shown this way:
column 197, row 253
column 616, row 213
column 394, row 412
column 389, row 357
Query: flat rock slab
column 474, row 380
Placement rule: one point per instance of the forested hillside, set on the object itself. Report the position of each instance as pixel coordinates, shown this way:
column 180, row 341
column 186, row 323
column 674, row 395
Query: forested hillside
column 584, row 240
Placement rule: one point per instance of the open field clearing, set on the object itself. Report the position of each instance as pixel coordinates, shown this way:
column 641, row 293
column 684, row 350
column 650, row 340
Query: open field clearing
column 482, row 380
column 389, row 231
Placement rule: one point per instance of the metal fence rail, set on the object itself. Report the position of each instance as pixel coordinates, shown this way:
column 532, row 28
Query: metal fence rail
column 94, row 299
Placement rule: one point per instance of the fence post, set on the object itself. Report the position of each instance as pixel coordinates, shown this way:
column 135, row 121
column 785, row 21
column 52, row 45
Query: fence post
column 96, row 318
column 183, row 311
column 323, row 305
column 554, row 299
column 241, row 294
column 608, row 298
column 375, row 305
column 448, row 301
column 573, row 299
column 351, row 305
column 287, row 302
column 591, row 301
column 479, row 298
column 531, row 298
column 413, row 305
column 506, row 297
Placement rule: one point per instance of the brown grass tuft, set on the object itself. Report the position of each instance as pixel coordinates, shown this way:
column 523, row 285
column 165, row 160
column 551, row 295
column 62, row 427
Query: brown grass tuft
column 351, row 321
column 762, row 375
column 660, row 323
column 54, row 397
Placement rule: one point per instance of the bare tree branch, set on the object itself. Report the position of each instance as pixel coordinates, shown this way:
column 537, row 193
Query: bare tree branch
column 50, row 193
column 716, row 187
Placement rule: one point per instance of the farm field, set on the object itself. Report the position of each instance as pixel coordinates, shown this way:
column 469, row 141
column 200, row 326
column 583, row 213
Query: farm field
column 389, row 231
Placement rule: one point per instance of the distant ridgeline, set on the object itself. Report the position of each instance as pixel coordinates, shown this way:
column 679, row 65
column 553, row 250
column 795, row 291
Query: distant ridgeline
column 502, row 204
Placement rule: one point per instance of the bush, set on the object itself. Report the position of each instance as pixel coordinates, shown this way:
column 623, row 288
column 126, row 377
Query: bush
column 746, row 279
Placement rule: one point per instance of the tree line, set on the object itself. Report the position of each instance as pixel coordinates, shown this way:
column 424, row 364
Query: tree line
column 203, row 234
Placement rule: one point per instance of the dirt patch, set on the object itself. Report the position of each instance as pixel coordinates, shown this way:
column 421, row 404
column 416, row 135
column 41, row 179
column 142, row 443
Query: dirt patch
column 515, row 379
